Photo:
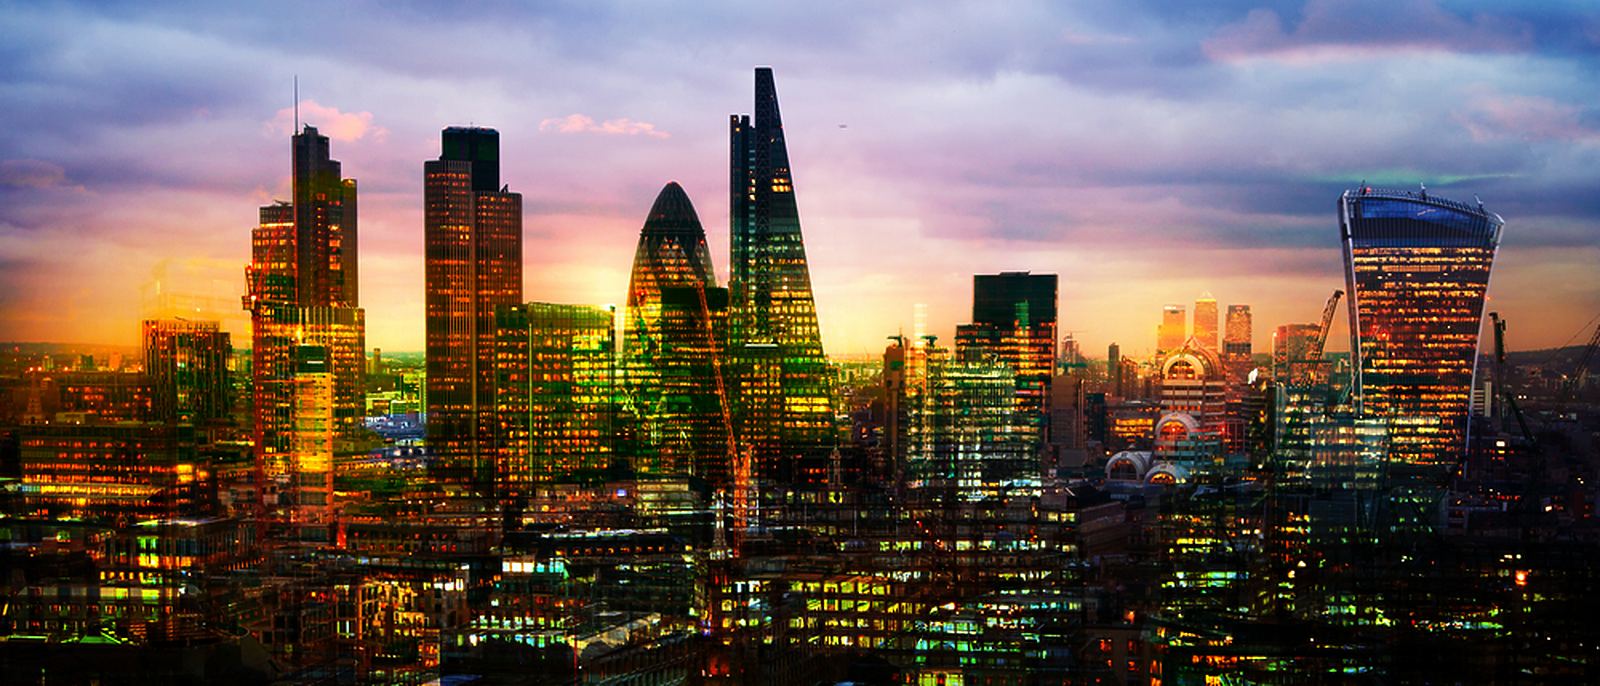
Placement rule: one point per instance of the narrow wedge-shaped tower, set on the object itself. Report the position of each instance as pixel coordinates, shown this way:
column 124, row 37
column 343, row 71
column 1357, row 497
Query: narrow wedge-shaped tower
column 675, row 324
column 783, row 404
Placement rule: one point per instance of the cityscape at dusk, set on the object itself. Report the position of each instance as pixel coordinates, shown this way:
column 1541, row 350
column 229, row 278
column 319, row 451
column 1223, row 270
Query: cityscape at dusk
column 922, row 344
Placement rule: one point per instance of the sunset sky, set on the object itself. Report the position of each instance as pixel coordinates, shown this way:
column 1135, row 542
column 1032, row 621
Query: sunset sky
column 1144, row 151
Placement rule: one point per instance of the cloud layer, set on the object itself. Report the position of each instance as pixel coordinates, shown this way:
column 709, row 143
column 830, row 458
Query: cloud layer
column 1145, row 152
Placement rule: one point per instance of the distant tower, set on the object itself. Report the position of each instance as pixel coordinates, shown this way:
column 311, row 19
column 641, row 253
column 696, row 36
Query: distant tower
column 1114, row 369
column 783, row 394
column 187, row 363
column 1173, row 331
column 1205, row 321
column 1014, row 320
column 676, row 321
column 1416, row 269
column 1236, row 348
column 472, row 238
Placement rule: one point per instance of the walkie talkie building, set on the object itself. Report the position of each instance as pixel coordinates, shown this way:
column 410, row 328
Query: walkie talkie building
column 1417, row 269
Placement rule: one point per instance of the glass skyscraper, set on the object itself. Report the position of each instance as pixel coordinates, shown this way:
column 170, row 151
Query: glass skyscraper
column 1417, row 269
column 676, row 322
column 783, row 399
column 472, row 238
column 302, row 291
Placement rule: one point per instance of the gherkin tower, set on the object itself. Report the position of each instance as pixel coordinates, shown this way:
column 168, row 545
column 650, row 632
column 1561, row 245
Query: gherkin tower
column 675, row 326
column 783, row 400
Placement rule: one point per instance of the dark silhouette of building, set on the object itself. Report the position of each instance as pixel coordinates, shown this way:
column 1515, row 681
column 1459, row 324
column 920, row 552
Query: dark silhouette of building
column 783, row 397
column 472, row 236
column 1417, row 269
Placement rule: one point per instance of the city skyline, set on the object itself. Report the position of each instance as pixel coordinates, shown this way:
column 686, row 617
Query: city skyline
column 1144, row 157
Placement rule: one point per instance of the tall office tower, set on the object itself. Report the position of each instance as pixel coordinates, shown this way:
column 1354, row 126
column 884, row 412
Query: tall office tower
column 302, row 290
column 783, row 399
column 472, row 243
column 187, row 363
column 557, row 393
column 1173, row 331
column 1205, row 321
column 1114, row 369
column 1417, row 269
column 676, row 320
column 1236, row 339
column 959, row 432
column 311, row 445
column 1014, row 322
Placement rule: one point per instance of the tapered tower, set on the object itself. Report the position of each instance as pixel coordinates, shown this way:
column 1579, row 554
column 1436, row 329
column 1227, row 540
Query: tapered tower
column 676, row 321
column 783, row 403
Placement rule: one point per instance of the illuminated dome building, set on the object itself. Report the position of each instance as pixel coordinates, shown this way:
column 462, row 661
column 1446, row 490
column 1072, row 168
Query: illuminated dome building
column 1194, row 382
column 1193, row 417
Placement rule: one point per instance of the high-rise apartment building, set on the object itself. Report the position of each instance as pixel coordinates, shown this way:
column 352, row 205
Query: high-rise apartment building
column 1417, row 270
column 1205, row 321
column 302, row 291
column 783, row 398
column 676, row 322
column 187, row 364
column 1173, row 330
column 472, row 242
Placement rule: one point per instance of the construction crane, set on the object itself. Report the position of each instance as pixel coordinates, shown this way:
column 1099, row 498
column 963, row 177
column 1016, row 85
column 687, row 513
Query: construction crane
column 1499, row 376
column 1315, row 353
column 1578, row 373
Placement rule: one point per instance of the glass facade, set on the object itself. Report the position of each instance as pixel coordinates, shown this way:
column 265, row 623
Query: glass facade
column 556, row 394
column 472, row 236
column 302, row 291
column 1417, row 269
column 676, row 322
column 782, row 397
column 1014, row 323
column 188, row 366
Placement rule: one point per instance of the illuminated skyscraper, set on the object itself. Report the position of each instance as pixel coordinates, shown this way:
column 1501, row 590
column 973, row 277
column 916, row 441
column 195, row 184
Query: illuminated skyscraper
column 302, row 283
column 1014, row 322
column 187, row 363
column 1173, row 331
column 1236, row 339
column 1205, row 321
column 557, row 393
column 783, row 400
column 472, row 241
column 676, row 321
column 1417, row 269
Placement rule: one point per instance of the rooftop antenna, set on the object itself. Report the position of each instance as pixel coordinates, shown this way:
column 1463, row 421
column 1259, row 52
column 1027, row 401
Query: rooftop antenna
column 1480, row 201
column 296, row 105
